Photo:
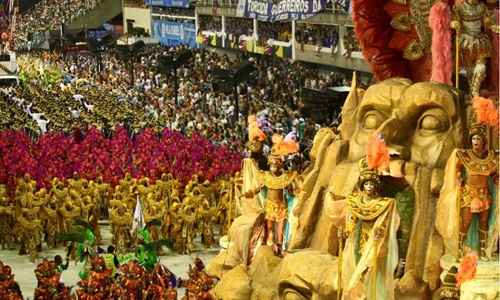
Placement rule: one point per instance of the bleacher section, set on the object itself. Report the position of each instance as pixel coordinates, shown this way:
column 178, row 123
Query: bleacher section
column 344, row 54
column 102, row 13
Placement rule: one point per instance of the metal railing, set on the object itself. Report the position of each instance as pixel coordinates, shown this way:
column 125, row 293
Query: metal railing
column 335, row 7
column 217, row 3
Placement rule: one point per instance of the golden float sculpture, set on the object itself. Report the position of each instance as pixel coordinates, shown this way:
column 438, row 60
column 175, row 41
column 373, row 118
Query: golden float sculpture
column 422, row 125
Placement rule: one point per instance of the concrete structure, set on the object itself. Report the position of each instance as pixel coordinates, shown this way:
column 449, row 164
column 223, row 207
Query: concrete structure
column 307, row 53
column 331, row 57
column 105, row 11
column 139, row 16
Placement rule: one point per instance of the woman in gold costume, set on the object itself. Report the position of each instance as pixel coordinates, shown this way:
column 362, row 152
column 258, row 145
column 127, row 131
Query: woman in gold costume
column 370, row 256
column 276, row 181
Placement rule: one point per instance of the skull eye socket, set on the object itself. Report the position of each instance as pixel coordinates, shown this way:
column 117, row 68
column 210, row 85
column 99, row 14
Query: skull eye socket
column 372, row 120
column 433, row 121
column 430, row 123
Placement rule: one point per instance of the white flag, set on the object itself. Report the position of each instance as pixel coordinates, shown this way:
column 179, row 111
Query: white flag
column 138, row 221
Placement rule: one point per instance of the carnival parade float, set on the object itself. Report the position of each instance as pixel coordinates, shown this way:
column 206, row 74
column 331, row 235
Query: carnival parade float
column 400, row 200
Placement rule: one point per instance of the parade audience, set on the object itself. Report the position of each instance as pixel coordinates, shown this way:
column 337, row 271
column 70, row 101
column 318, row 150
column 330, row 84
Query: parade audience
column 210, row 23
column 239, row 26
column 279, row 31
column 174, row 11
column 50, row 15
column 60, row 93
column 317, row 35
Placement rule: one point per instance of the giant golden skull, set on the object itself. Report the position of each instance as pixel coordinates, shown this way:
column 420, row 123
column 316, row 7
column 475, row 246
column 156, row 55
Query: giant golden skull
column 421, row 123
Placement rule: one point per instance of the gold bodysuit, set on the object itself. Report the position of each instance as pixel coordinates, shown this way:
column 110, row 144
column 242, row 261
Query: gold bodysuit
column 276, row 208
column 475, row 192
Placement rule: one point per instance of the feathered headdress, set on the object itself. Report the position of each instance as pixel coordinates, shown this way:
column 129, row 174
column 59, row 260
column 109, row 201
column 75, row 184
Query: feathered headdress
column 366, row 173
column 485, row 111
column 284, row 146
column 254, row 131
column 377, row 153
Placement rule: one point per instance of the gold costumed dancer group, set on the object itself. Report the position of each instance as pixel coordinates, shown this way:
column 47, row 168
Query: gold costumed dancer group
column 179, row 214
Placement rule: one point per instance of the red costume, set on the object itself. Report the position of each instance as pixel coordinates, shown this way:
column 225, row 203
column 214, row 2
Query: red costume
column 9, row 289
column 98, row 285
column 132, row 282
column 49, row 285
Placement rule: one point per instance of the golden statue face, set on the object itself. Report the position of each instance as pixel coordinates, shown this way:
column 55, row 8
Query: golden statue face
column 419, row 122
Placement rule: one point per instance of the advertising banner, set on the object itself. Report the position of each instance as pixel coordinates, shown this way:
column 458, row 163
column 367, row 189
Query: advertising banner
column 175, row 33
column 169, row 3
column 282, row 10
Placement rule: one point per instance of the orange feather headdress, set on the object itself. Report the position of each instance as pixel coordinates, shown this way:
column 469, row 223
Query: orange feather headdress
column 254, row 131
column 377, row 153
column 485, row 111
column 283, row 147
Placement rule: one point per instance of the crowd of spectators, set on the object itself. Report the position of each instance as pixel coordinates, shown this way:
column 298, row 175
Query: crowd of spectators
column 322, row 81
column 77, row 97
column 5, row 28
column 350, row 42
column 239, row 26
column 49, row 15
column 174, row 11
column 209, row 23
column 322, row 36
column 339, row 6
column 278, row 31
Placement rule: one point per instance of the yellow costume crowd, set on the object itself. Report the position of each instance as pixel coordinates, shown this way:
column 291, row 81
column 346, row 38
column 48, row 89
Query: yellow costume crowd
column 31, row 216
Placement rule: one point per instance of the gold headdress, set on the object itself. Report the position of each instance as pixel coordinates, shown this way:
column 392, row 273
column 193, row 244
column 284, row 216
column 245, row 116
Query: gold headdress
column 366, row 174
column 486, row 115
column 478, row 129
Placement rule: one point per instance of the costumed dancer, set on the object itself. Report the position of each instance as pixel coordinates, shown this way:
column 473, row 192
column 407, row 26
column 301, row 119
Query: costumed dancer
column 49, row 284
column 97, row 286
column 275, row 182
column 29, row 225
column 467, row 212
column 9, row 289
column 147, row 249
column 120, row 218
column 471, row 21
column 131, row 283
column 251, row 166
column 82, row 243
column 50, row 217
column 7, row 214
column 370, row 256
column 161, row 284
